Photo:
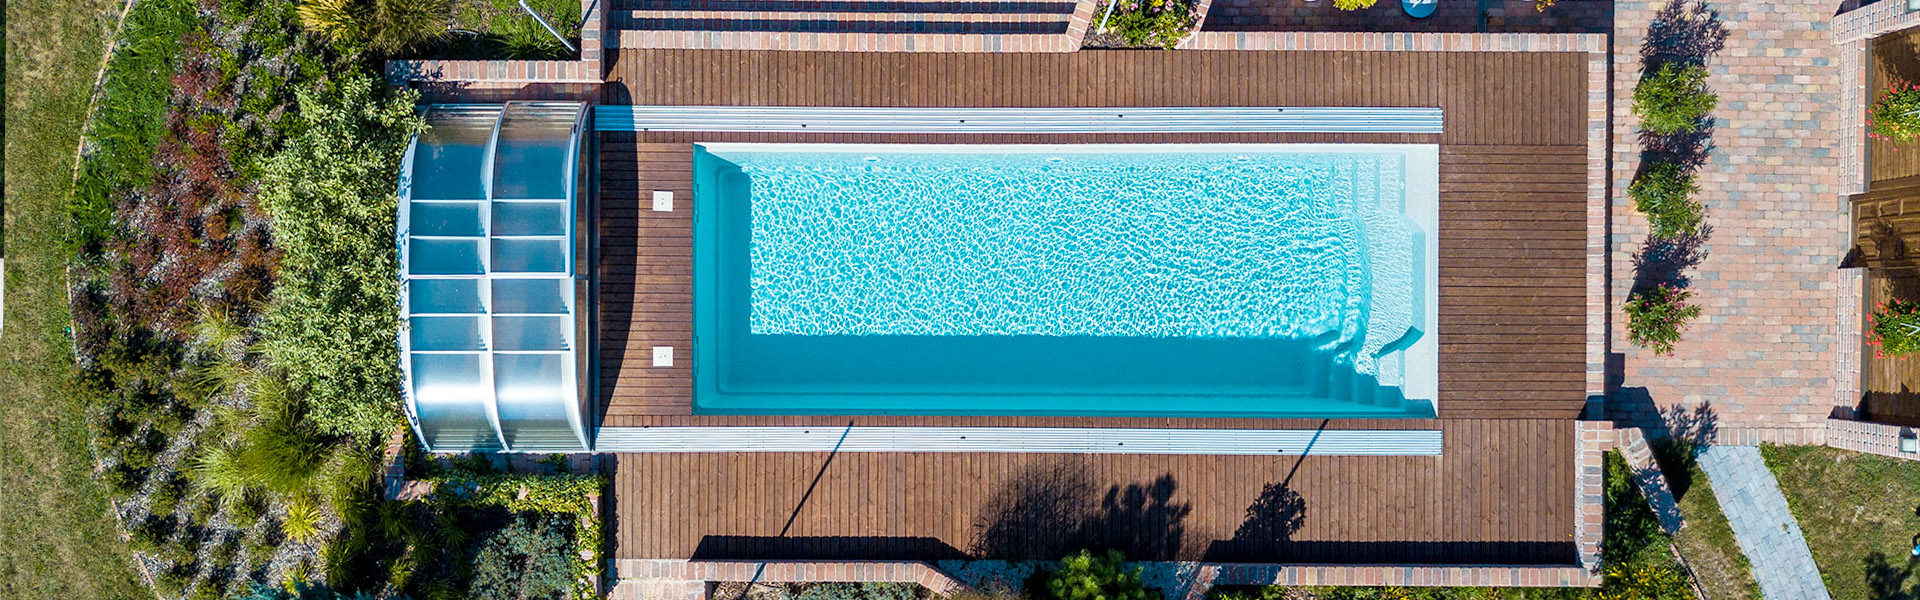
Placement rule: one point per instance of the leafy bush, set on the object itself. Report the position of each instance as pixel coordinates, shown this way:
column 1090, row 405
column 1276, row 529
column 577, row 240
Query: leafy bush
column 1086, row 576
column 1896, row 115
column 1673, row 99
column 526, row 559
column 1160, row 23
column 859, row 591
column 1353, row 4
column 1664, row 193
column 1896, row 328
column 1656, row 317
column 333, row 322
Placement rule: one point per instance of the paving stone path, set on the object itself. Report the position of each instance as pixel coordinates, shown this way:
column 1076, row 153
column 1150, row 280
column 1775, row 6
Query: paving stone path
column 1764, row 527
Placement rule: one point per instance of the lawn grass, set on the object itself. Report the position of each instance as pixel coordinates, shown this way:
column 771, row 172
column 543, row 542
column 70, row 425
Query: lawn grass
column 1707, row 541
column 1858, row 512
column 57, row 539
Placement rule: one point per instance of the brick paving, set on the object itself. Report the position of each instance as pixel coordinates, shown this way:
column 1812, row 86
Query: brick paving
column 1762, row 524
column 1763, row 352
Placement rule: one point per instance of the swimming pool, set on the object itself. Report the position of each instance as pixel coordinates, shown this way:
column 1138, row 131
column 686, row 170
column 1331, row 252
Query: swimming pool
column 1269, row 280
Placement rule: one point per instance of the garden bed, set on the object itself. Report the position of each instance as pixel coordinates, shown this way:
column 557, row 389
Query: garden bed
column 500, row 29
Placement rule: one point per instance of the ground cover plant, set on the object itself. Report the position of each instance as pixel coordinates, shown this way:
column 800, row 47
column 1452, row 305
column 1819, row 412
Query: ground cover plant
column 1860, row 514
column 1159, row 23
column 61, row 540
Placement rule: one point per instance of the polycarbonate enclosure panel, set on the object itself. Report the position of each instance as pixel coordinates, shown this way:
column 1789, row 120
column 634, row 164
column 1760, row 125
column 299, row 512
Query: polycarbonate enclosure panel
column 450, row 401
column 538, row 296
column 487, row 227
column 445, row 257
column 530, row 333
column 529, row 218
column 434, row 296
column 530, row 161
column 448, row 162
column 446, row 218
column 446, row 333
column 512, row 255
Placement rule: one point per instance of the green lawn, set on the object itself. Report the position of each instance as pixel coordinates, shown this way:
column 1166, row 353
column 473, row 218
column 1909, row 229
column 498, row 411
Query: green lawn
column 57, row 539
column 1707, row 541
column 1859, row 515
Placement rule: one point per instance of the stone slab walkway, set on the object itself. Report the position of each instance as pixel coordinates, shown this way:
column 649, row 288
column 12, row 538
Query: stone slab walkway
column 1762, row 524
column 1763, row 353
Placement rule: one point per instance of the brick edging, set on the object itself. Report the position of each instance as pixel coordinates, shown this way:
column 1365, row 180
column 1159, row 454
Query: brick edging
column 1868, row 437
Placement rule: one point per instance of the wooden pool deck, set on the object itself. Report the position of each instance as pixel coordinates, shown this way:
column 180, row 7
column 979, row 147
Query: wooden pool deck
column 1513, row 321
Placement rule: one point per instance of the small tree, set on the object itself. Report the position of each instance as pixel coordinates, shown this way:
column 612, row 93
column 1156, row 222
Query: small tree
column 1657, row 316
column 1896, row 115
column 1086, row 576
column 1896, row 329
column 1673, row 99
column 1664, row 193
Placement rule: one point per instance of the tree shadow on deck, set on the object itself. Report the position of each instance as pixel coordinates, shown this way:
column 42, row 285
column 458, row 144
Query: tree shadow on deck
column 1048, row 511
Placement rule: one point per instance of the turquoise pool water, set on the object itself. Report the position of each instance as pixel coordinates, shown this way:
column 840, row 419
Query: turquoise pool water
column 1242, row 280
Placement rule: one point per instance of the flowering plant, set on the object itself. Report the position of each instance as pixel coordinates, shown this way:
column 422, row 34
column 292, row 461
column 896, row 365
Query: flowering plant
column 1656, row 316
column 1896, row 115
column 1153, row 22
column 1542, row 5
column 1353, row 4
column 1896, row 328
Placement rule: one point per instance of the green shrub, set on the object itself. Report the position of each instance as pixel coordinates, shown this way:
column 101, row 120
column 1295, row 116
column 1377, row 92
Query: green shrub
column 526, row 559
column 166, row 496
column 1664, row 193
column 1673, row 99
column 859, row 591
column 1087, row 576
column 303, row 520
column 333, row 322
column 1896, row 328
column 1896, row 115
column 1160, row 23
column 1656, row 317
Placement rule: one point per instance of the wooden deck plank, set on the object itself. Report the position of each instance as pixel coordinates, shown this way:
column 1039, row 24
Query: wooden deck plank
column 1494, row 498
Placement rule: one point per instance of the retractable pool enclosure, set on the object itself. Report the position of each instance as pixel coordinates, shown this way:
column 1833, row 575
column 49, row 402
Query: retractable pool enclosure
column 494, row 262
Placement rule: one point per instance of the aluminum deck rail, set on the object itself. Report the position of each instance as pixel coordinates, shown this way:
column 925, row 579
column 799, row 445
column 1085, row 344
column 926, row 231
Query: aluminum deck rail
column 866, row 119
column 1037, row 440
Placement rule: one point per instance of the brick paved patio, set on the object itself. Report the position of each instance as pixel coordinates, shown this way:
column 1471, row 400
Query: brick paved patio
column 1763, row 353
